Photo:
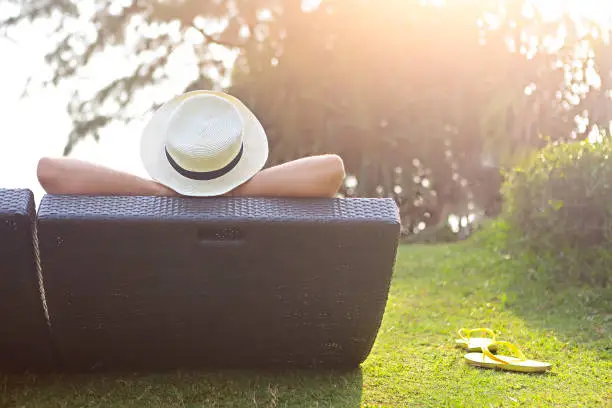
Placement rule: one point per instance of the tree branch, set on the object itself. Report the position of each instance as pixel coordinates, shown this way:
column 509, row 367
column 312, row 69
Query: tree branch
column 210, row 39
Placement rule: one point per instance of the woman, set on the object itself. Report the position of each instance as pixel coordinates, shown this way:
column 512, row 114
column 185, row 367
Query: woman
column 201, row 144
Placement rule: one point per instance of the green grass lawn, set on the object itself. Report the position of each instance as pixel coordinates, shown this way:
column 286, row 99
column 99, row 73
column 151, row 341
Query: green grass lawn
column 436, row 290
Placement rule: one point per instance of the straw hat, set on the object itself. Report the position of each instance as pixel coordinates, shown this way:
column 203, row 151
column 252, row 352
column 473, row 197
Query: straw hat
column 203, row 143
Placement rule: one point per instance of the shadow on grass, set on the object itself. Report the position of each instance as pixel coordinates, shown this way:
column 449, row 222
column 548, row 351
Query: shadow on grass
column 185, row 389
column 533, row 290
column 485, row 281
column 574, row 312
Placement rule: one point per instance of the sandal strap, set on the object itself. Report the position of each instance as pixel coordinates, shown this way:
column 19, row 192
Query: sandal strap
column 512, row 347
column 466, row 334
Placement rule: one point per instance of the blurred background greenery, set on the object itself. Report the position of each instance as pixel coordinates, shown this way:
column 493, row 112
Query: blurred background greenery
column 428, row 102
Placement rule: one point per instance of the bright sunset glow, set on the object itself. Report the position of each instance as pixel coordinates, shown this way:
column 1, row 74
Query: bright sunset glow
column 599, row 11
column 38, row 125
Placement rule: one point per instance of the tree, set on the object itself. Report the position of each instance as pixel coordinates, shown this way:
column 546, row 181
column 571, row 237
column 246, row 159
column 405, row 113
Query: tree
column 416, row 97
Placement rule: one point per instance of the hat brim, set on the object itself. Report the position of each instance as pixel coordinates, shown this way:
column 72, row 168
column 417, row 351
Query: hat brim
column 153, row 153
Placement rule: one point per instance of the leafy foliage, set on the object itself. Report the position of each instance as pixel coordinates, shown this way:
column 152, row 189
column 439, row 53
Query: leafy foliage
column 424, row 102
column 559, row 205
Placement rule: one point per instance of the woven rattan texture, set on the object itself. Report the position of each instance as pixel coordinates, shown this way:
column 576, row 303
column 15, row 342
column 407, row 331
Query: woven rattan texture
column 193, row 209
column 24, row 334
column 162, row 283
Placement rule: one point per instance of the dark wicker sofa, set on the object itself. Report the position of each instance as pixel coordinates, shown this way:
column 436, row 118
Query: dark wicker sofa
column 152, row 283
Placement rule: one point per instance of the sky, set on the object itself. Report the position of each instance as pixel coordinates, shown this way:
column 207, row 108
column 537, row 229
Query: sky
column 37, row 126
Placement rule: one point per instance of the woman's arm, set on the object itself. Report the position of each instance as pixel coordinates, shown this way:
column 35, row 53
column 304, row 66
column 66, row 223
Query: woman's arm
column 318, row 176
column 71, row 176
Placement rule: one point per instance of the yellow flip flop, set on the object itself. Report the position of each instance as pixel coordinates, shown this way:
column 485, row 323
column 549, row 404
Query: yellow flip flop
column 520, row 363
column 470, row 343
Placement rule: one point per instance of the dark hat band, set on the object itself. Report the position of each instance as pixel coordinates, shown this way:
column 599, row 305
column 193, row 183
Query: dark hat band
column 205, row 175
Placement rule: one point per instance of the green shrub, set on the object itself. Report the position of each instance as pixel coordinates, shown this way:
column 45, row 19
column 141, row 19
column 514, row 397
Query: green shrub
column 558, row 205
